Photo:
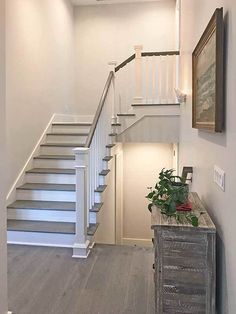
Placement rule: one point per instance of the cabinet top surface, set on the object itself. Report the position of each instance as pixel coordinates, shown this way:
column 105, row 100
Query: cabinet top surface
column 205, row 222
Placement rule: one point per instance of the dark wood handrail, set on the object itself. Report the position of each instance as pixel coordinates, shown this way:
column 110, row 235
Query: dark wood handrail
column 147, row 54
column 99, row 110
column 131, row 58
column 160, row 53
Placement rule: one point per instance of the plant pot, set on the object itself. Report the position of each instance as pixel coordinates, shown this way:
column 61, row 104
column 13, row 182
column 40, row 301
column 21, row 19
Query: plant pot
column 185, row 191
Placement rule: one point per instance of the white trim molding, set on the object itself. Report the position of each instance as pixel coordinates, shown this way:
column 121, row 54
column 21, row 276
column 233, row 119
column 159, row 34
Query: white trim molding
column 20, row 178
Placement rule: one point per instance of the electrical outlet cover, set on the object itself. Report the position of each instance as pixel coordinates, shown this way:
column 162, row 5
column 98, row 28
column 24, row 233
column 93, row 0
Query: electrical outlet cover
column 219, row 177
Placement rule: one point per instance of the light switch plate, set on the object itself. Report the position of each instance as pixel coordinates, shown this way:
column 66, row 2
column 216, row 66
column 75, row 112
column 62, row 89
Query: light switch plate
column 219, row 177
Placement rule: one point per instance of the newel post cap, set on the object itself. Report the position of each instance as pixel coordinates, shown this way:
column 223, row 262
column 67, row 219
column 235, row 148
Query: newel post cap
column 138, row 47
column 112, row 65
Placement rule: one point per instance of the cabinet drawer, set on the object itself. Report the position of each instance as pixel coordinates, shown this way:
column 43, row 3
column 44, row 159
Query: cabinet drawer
column 183, row 236
column 184, row 289
column 183, row 249
column 173, row 276
column 183, row 262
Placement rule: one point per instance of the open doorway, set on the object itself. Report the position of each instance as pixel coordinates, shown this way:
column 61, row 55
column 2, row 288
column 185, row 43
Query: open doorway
column 137, row 167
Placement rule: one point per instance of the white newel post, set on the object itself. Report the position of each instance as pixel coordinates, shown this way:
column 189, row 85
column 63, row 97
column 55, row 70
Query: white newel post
column 112, row 66
column 81, row 245
column 138, row 74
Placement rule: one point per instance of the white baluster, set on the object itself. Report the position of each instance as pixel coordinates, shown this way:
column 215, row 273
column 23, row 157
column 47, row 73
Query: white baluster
column 138, row 74
column 160, row 81
column 112, row 66
column 167, row 78
column 153, row 79
column 177, row 74
column 81, row 245
column 171, row 81
column 147, row 79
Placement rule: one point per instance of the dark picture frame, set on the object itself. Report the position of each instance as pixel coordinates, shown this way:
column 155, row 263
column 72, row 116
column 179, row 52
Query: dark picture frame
column 208, row 85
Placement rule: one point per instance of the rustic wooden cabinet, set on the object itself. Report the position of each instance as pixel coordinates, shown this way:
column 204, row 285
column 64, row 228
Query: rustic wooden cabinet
column 184, row 263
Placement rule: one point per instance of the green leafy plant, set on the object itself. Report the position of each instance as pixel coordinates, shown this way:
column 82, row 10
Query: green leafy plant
column 170, row 192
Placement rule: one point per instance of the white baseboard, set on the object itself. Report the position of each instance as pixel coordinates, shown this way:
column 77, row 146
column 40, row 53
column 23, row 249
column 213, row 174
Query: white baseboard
column 20, row 178
column 137, row 242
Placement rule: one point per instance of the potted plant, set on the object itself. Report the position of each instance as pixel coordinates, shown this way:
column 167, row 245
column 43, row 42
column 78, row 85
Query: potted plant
column 170, row 195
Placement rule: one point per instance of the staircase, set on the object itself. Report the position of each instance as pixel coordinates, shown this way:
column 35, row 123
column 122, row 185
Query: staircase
column 61, row 196
column 44, row 212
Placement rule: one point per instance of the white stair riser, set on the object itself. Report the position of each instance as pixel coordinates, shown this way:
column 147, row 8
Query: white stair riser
column 55, row 150
column 66, row 139
column 116, row 129
column 70, row 129
column 97, row 197
column 41, row 215
column 112, row 140
column 105, row 165
column 126, row 120
column 102, row 180
column 42, row 195
column 156, row 110
column 93, row 217
column 50, row 178
column 54, row 163
column 41, row 238
column 108, row 151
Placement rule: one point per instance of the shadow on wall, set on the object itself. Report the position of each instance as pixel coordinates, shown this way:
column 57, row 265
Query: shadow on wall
column 221, row 279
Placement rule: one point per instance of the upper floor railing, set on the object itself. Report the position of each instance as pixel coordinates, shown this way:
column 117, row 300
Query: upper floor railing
column 146, row 78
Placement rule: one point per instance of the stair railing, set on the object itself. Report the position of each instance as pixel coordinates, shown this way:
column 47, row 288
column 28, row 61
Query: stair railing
column 89, row 163
column 150, row 79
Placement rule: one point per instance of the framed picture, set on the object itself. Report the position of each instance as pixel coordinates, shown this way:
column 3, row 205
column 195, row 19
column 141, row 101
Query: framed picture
column 208, row 85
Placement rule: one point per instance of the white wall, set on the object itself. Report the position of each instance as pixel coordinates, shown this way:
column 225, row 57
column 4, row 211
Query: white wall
column 109, row 32
column 141, row 165
column 204, row 150
column 3, row 242
column 40, row 72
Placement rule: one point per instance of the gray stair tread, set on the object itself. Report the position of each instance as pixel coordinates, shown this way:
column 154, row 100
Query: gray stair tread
column 100, row 188
column 72, row 123
column 104, row 172
column 43, row 205
column 126, row 114
column 112, row 134
column 154, row 105
column 46, row 227
column 110, row 145
column 91, row 230
column 107, row 158
column 62, row 145
column 68, row 134
column 116, row 124
column 96, row 207
column 63, row 157
column 47, row 187
column 51, row 171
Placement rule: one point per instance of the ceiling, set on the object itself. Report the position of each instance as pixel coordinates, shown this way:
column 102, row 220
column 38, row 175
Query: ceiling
column 99, row 2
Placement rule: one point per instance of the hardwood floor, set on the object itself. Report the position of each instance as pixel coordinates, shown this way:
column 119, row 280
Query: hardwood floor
column 113, row 280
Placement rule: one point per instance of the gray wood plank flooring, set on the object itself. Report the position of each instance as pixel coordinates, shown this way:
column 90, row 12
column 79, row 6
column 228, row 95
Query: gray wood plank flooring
column 113, row 280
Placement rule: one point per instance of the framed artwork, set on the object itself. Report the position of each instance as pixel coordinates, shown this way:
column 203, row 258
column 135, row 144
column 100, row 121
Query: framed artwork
column 208, row 85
